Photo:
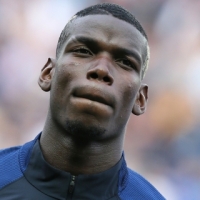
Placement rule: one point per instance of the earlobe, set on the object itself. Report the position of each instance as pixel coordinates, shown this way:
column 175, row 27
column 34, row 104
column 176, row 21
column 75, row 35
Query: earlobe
column 141, row 101
column 46, row 75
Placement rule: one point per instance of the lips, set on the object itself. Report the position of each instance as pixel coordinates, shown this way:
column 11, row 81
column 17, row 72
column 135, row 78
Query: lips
column 94, row 94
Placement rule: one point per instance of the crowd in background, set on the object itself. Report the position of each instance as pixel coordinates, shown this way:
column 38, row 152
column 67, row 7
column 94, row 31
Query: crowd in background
column 164, row 143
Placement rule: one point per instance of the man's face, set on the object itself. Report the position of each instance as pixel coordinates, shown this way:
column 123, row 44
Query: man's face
column 96, row 81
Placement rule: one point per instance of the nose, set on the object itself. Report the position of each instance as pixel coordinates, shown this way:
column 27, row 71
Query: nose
column 100, row 72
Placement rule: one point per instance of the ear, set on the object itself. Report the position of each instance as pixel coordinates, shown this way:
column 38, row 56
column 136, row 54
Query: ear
column 141, row 100
column 46, row 75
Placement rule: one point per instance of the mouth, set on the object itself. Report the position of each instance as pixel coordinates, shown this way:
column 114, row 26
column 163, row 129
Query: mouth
column 96, row 98
column 94, row 94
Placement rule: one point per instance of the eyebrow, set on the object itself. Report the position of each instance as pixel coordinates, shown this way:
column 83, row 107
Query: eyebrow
column 92, row 43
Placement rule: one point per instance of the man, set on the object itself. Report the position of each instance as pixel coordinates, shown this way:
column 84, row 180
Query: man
column 95, row 83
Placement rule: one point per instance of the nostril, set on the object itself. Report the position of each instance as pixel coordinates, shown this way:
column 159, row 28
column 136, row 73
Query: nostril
column 94, row 75
column 106, row 79
column 100, row 75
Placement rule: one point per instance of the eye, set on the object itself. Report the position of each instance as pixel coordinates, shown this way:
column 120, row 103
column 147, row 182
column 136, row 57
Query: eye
column 127, row 63
column 82, row 50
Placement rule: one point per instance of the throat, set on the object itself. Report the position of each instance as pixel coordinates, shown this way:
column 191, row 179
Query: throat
column 69, row 156
column 88, row 164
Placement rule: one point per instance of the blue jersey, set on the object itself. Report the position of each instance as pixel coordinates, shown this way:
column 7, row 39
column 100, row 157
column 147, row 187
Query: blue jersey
column 25, row 175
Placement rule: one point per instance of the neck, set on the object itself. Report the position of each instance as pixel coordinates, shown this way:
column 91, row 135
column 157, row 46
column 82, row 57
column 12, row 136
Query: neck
column 67, row 154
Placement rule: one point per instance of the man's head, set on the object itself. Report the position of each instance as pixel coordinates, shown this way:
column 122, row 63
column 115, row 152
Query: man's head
column 106, row 9
column 95, row 82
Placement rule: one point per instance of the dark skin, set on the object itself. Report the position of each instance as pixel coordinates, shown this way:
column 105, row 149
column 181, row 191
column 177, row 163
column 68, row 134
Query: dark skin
column 95, row 84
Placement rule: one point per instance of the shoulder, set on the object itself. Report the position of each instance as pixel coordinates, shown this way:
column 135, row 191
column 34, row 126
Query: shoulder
column 139, row 188
column 9, row 166
column 13, row 162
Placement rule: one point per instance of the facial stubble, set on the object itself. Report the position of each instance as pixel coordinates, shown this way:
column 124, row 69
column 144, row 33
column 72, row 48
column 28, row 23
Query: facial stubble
column 82, row 131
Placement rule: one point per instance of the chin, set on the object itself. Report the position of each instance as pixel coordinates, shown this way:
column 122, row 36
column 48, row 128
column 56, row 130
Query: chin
column 81, row 130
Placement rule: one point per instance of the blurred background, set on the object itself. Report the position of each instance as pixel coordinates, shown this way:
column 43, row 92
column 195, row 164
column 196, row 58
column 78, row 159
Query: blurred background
column 163, row 144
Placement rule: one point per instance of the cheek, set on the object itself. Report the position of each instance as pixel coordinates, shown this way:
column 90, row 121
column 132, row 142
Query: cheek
column 125, row 99
column 128, row 100
column 66, row 72
column 128, row 93
column 60, row 83
column 130, row 88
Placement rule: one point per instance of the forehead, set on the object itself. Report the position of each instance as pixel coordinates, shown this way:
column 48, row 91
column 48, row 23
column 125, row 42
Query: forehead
column 109, row 30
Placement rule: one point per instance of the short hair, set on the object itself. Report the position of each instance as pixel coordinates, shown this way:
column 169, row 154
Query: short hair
column 106, row 9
